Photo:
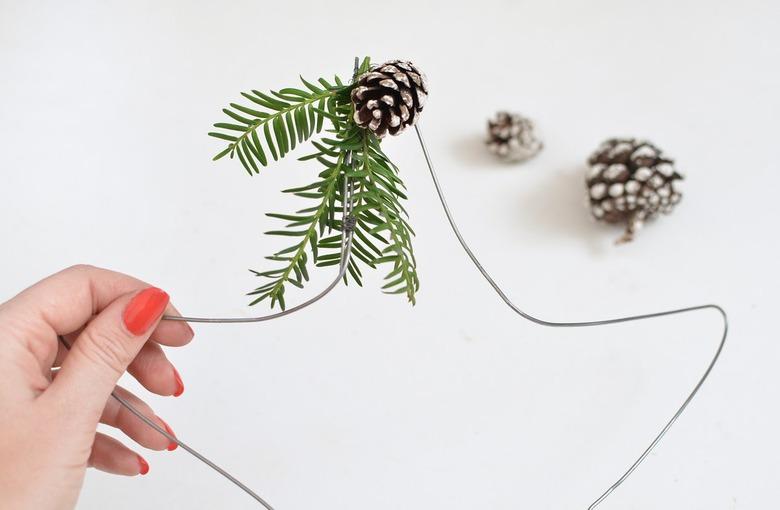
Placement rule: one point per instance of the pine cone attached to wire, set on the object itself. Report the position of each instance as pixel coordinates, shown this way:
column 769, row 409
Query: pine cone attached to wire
column 390, row 97
column 630, row 181
column 512, row 137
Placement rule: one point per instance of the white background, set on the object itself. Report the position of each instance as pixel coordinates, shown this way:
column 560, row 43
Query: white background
column 363, row 401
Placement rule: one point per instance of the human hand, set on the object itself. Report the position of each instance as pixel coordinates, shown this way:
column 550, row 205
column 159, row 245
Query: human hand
column 48, row 419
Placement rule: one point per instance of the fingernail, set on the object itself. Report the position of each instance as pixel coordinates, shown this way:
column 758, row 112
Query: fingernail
column 179, row 384
column 144, row 309
column 172, row 446
column 143, row 465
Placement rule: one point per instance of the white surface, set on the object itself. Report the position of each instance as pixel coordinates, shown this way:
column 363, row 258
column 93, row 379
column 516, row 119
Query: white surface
column 456, row 403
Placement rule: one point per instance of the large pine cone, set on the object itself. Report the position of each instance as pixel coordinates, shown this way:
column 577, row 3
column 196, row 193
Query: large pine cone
column 390, row 97
column 630, row 181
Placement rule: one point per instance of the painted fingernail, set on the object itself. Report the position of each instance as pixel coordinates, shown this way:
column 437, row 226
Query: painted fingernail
column 144, row 466
column 179, row 384
column 172, row 446
column 144, row 309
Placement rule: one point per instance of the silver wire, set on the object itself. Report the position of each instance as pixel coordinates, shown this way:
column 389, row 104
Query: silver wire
column 127, row 405
column 346, row 251
column 346, row 245
column 602, row 322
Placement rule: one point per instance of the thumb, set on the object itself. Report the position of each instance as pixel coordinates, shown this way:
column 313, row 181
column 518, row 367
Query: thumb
column 105, row 348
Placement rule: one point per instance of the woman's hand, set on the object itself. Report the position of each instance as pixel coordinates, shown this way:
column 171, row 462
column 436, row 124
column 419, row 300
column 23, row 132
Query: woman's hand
column 48, row 419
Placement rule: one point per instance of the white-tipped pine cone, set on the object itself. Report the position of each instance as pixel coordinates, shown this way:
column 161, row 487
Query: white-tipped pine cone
column 390, row 97
column 630, row 181
column 512, row 137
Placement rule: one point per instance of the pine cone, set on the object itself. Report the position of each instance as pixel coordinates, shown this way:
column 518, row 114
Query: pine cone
column 512, row 137
column 630, row 181
column 390, row 97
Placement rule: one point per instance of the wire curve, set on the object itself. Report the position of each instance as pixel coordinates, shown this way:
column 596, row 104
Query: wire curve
column 170, row 437
column 346, row 247
column 602, row 322
column 346, row 251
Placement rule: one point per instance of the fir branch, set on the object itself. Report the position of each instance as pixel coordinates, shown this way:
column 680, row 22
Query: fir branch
column 275, row 123
column 382, row 181
column 314, row 220
column 381, row 234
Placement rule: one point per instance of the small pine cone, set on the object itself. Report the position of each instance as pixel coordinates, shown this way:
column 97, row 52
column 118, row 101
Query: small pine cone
column 512, row 137
column 390, row 97
column 630, row 181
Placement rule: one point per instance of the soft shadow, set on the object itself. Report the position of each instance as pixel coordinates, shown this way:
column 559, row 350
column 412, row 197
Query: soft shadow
column 556, row 205
column 471, row 151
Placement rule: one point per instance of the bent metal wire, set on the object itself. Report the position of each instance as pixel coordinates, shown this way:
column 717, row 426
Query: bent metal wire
column 346, row 247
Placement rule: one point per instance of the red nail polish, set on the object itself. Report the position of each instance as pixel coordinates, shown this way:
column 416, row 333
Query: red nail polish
column 143, row 465
column 172, row 446
column 179, row 384
column 144, row 309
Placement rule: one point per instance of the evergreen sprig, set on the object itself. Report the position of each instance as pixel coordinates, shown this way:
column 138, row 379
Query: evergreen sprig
column 381, row 235
column 285, row 117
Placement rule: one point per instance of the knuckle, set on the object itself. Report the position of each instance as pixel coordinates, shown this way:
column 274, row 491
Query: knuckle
column 145, row 364
column 105, row 348
column 81, row 268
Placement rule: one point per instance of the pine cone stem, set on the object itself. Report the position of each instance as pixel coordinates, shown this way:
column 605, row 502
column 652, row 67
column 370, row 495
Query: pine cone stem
column 632, row 227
